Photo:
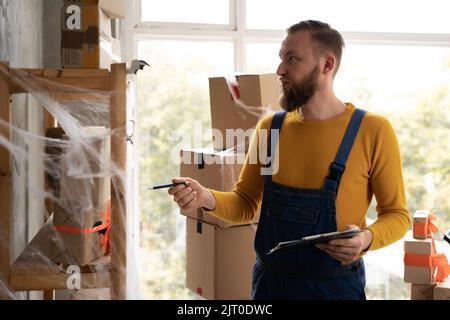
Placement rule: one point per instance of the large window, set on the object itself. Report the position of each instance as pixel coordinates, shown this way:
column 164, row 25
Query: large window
column 193, row 11
column 171, row 95
column 396, row 62
column 407, row 16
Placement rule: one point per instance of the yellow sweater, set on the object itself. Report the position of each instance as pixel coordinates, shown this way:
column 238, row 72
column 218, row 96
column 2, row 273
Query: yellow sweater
column 306, row 150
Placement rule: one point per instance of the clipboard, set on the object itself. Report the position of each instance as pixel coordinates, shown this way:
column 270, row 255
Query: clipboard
column 312, row 240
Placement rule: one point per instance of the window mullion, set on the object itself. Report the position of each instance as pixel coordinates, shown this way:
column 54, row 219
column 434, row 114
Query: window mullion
column 240, row 49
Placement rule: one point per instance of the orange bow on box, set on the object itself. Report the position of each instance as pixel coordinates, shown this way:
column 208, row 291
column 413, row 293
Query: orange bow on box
column 436, row 261
column 425, row 229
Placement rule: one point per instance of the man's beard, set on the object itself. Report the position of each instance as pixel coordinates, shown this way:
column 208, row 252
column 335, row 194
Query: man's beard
column 296, row 96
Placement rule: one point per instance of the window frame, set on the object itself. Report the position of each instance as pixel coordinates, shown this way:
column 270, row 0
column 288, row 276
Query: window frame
column 237, row 32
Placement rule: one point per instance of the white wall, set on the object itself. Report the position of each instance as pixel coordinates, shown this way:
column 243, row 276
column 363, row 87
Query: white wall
column 21, row 45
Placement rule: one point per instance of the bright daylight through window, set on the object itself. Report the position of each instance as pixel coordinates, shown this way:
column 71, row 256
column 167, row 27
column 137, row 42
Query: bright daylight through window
column 395, row 64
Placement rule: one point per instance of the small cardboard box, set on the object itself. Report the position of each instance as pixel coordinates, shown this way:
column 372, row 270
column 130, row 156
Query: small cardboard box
column 212, row 169
column 420, row 224
column 219, row 261
column 418, row 274
column 259, row 93
column 442, row 290
column 76, row 248
column 422, row 291
column 86, row 40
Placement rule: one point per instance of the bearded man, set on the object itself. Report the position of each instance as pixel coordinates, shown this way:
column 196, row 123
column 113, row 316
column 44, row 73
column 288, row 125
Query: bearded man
column 332, row 159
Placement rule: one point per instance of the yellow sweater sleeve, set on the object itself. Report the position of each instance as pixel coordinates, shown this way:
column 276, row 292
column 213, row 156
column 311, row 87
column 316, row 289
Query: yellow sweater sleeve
column 386, row 181
column 306, row 149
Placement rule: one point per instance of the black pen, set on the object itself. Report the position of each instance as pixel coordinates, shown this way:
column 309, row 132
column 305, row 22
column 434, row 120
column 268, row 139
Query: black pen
column 168, row 185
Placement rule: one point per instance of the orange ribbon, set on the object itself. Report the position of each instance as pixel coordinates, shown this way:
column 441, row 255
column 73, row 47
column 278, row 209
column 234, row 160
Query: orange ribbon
column 427, row 228
column 441, row 264
column 418, row 260
column 437, row 262
column 105, row 225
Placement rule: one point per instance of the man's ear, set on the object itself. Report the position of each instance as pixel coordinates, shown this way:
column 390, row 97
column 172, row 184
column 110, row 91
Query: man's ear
column 329, row 64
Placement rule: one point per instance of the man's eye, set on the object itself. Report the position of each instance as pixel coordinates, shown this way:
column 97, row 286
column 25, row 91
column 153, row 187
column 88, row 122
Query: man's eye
column 292, row 59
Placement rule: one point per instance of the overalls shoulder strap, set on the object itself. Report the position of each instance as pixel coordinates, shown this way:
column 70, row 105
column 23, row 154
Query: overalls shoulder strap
column 337, row 167
column 273, row 135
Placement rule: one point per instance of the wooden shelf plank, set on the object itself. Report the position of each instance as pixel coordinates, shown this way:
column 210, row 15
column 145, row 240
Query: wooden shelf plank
column 5, row 176
column 118, row 238
column 70, row 73
column 59, row 84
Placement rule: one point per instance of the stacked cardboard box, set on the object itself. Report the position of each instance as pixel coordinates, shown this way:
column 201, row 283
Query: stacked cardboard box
column 442, row 290
column 220, row 254
column 219, row 261
column 420, row 254
column 238, row 104
column 215, row 170
column 418, row 250
column 89, row 33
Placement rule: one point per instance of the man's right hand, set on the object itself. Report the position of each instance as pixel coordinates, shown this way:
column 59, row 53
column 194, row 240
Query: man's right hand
column 192, row 196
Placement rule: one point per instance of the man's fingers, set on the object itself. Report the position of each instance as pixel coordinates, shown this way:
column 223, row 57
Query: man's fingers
column 333, row 248
column 186, row 199
column 344, row 251
column 343, row 242
column 191, row 203
column 181, row 194
column 343, row 258
column 177, row 188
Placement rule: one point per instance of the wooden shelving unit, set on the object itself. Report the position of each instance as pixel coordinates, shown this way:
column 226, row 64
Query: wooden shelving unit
column 33, row 270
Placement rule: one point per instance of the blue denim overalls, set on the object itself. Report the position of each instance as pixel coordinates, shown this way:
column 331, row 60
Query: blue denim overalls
column 291, row 213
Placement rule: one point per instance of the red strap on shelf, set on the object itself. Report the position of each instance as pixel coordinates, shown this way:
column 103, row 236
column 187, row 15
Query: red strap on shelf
column 105, row 225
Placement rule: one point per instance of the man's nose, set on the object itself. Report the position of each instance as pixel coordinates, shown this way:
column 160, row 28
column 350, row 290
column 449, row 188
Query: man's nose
column 281, row 71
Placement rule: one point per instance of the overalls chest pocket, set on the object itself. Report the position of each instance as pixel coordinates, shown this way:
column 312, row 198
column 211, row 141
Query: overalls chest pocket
column 297, row 214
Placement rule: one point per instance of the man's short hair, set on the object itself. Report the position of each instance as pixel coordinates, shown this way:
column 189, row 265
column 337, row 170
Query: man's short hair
column 326, row 37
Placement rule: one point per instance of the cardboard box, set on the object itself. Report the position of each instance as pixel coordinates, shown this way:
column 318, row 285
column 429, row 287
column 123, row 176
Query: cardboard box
column 420, row 224
column 442, row 290
column 113, row 8
column 86, row 31
column 418, row 274
column 83, row 202
column 219, row 261
column 215, row 170
column 76, row 248
column 422, row 291
column 257, row 92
